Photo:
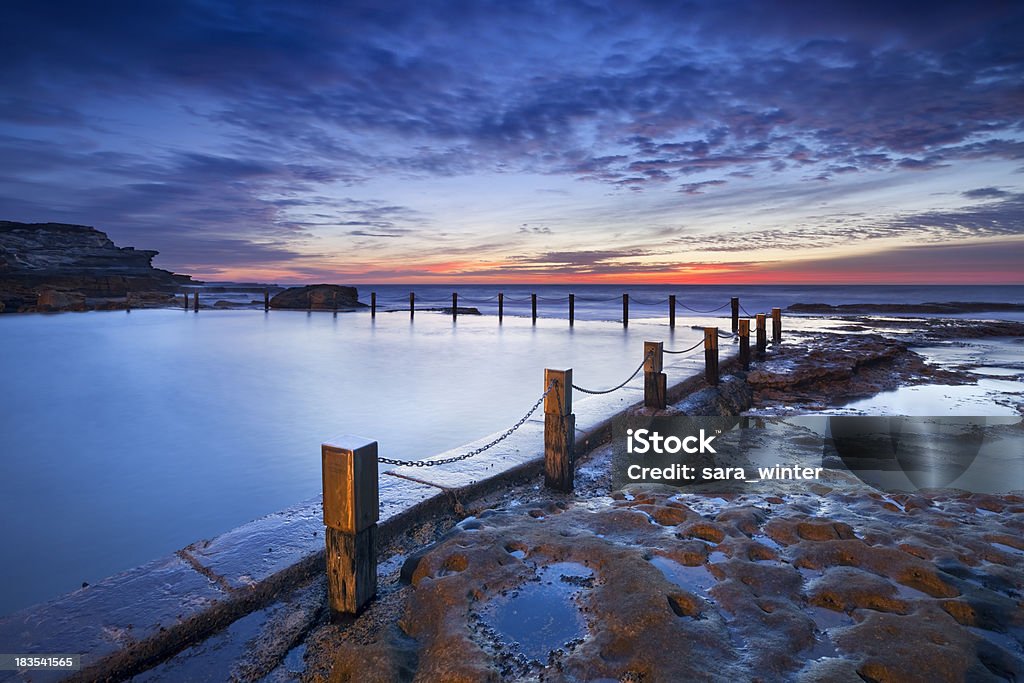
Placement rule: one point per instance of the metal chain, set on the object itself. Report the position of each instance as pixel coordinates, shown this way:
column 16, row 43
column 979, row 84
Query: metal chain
column 726, row 335
column 745, row 311
column 628, row 379
column 697, row 310
column 476, row 451
column 685, row 350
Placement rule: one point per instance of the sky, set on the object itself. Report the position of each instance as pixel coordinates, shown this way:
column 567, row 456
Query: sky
column 479, row 141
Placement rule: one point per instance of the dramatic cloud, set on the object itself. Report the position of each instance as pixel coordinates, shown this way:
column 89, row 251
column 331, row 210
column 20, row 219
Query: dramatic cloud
column 422, row 132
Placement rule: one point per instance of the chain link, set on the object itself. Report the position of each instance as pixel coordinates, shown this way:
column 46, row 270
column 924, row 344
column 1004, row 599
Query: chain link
column 698, row 310
column 476, row 451
column 685, row 350
column 616, row 388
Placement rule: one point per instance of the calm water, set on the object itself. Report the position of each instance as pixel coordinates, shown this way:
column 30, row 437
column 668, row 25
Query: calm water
column 128, row 436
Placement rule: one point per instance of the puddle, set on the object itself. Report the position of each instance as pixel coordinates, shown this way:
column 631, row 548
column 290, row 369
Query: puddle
column 824, row 619
column 707, row 507
column 693, row 579
column 941, row 400
column 764, row 540
column 822, row 648
column 295, row 661
column 997, row 371
column 542, row 616
column 908, row 593
column 717, row 556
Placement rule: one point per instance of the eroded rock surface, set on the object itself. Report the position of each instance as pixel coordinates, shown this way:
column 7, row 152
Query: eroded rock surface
column 317, row 297
column 656, row 585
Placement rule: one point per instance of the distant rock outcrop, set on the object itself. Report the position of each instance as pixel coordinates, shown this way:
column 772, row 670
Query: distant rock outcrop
column 59, row 267
column 317, row 297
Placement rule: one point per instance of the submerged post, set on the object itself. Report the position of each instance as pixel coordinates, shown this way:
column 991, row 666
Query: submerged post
column 735, row 302
column 373, row 304
column 572, row 309
column 533, row 303
column 655, row 381
column 671, row 311
column 744, row 332
column 334, row 301
column 349, row 467
column 776, row 325
column 559, row 430
column 501, row 306
column 412, row 305
column 309, row 300
column 266, row 300
column 195, row 297
column 455, row 306
column 711, row 355
column 186, row 300
column 128, row 301
column 625, row 310
column 762, row 336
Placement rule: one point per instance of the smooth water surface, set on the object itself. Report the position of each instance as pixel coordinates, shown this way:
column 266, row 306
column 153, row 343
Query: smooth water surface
column 129, row 435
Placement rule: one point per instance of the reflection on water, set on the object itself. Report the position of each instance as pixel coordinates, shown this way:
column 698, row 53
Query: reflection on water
column 128, row 436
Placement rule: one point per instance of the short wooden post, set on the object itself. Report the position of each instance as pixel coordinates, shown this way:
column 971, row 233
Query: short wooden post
column 671, row 311
column 455, row 306
column 186, row 301
column 266, row 300
column 334, row 301
column 655, row 381
column 128, row 301
column 711, row 355
column 625, row 310
column 762, row 336
column 572, row 309
column 744, row 332
column 373, row 304
column 559, row 430
column 351, row 510
column 776, row 325
column 533, row 303
column 195, row 300
column 501, row 306
column 309, row 300
column 735, row 302
column 412, row 305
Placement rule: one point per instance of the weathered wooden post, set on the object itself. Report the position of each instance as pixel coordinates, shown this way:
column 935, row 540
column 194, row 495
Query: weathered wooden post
column 533, row 300
column 195, row 298
column 266, row 300
column 309, row 299
column 559, row 430
column 762, row 336
column 711, row 355
column 776, row 325
column 655, row 381
column 351, row 510
column 412, row 305
column 334, row 301
column 625, row 310
column 373, row 304
column 128, row 301
column 455, row 306
column 671, row 311
column 572, row 309
column 186, row 300
column 744, row 332
column 501, row 306
column 735, row 301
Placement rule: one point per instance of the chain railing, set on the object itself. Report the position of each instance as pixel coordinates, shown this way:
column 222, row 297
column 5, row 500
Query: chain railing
column 597, row 392
column 692, row 348
column 476, row 451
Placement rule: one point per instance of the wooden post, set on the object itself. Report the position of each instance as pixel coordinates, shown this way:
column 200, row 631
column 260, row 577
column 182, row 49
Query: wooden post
column 744, row 332
column 334, row 301
column 572, row 309
column 776, row 325
column 412, row 305
column 186, row 301
column 128, row 301
column 501, row 306
column 762, row 336
column 195, row 296
column 711, row 355
column 655, row 381
column 455, row 306
column 351, row 510
column 533, row 300
column 559, row 431
column 373, row 304
column 266, row 300
column 309, row 300
column 671, row 311
column 625, row 310
column 735, row 314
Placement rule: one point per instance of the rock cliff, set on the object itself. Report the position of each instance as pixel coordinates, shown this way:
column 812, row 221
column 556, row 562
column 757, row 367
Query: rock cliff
column 58, row 266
